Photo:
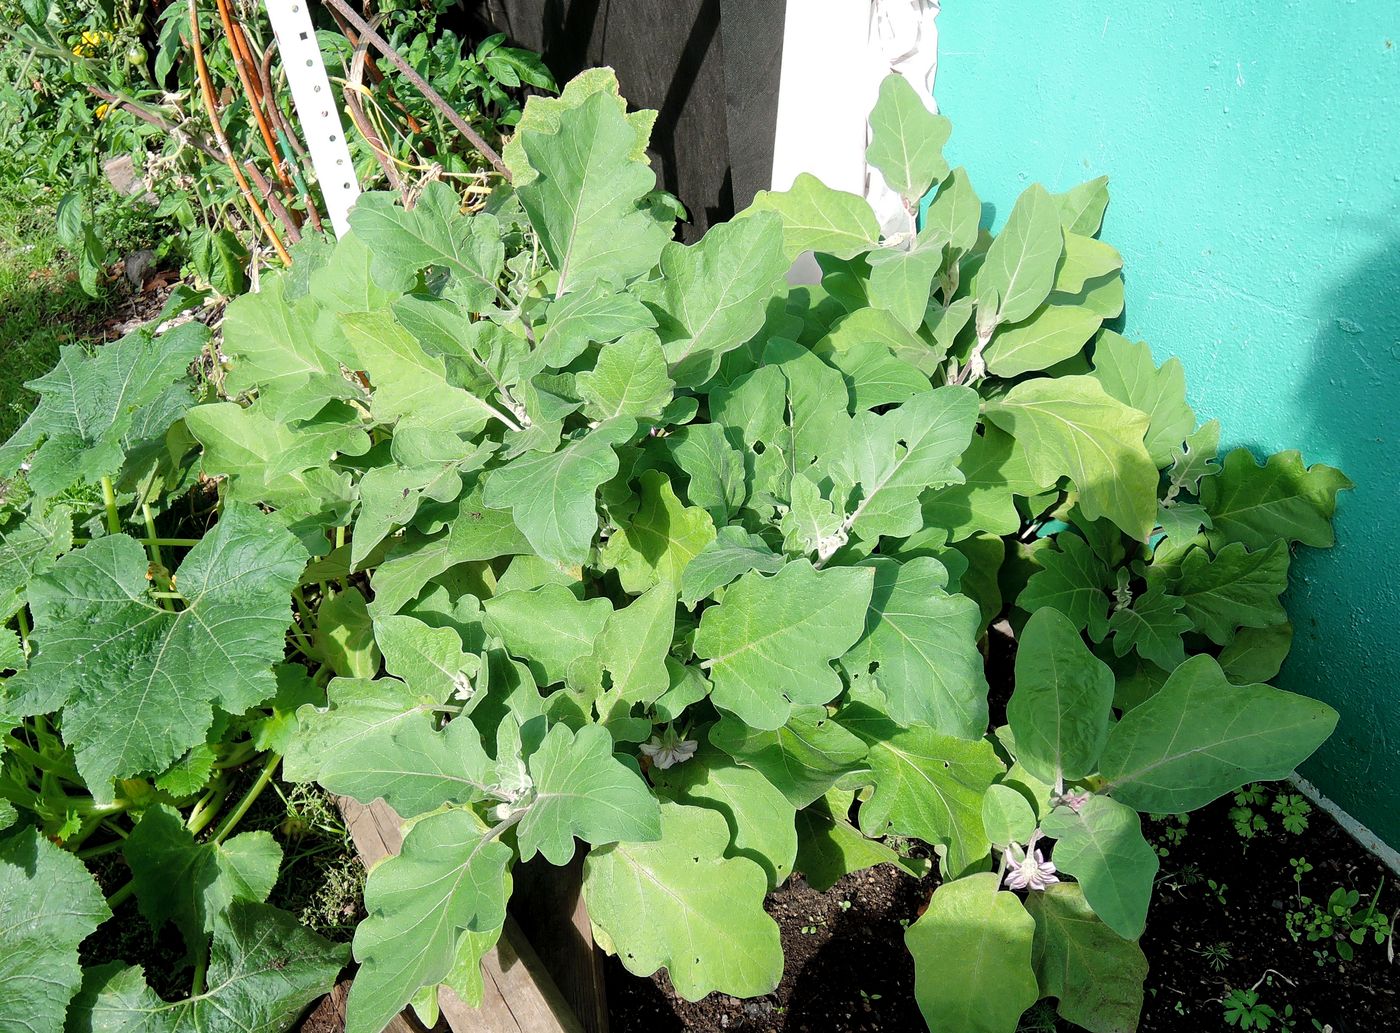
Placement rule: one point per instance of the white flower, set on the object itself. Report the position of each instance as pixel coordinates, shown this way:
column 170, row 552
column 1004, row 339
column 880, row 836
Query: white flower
column 669, row 748
column 462, row 687
column 1027, row 869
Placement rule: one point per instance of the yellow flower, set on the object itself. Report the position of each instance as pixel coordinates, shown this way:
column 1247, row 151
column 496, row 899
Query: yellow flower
column 91, row 37
column 78, row 50
column 102, row 110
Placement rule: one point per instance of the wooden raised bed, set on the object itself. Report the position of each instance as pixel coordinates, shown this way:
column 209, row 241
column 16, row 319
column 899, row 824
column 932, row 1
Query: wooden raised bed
column 521, row 993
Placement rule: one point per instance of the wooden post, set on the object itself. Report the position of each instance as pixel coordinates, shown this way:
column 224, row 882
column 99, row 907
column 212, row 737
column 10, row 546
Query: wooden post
column 520, row 996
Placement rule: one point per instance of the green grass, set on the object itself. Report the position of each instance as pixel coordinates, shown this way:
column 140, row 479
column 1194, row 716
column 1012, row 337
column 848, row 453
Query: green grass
column 41, row 304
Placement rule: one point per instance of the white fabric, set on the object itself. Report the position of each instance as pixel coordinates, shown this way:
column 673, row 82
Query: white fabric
column 318, row 108
column 835, row 54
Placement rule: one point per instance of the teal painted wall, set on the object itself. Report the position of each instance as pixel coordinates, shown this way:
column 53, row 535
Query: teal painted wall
column 1254, row 156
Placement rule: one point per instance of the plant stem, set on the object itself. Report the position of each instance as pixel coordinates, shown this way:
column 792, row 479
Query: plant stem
column 153, row 542
column 178, row 542
column 118, row 898
column 109, row 499
column 248, row 799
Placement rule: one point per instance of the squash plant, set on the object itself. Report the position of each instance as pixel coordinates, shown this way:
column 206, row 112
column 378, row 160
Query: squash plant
column 592, row 541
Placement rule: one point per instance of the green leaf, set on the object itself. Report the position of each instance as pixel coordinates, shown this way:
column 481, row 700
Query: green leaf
column 875, row 377
column 797, row 622
column 1070, row 427
column 906, row 140
column 50, row 904
column 761, row 820
column 896, row 456
column 1007, row 816
column 817, row 218
column 1127, row 373
column 660, row 540
column 1095, row 975
column 829, row 847
column 1283, row 499
column 1085, row 261
column 811, row 523
column 553, row 496
column 1236, row 589
column 1195, row 458
column 803, row 759
column 428, row 659
column 434, row 232
column 679, row 903
column 1052, row 334
column 548, row 627
column 188, row 883
column 972, row 957
column 1200, row 737
column 713, row 295
column 1073, row 580
column 117, row 660
column 956, row 212
column 733, row 552
column 264, row 969
column 89, row 401
column 920, row 648
column 1063, row 700
column 595, row 315
column 632, row 648
column 629, row 380
column 582, row 790
column 29, row 547
column 1020, row 264
column 344, row 637
column 867, row 326
column 994, row 470
column 451, row 875
column 901, row 278
column 1256, row 654
column 927, row 785
column 1081, row 208
column 1153, row 625
column 715, row 469
column 587, row 200
column 1101, row 845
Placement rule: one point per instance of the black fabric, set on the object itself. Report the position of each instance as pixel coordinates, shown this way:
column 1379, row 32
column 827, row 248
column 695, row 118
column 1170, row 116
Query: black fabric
column 709, row 67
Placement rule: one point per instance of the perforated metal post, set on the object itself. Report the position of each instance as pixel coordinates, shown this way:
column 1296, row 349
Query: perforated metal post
column 317, row 108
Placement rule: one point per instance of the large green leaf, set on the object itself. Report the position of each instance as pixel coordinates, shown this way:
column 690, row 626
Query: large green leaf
column 1127, row 373
column 542, row 114
column 1236, row 589
column 581, row 789
column 1256, row 506
column 29, row 546
column 547, row 627
column 901, row 277
column 598, row 314
column 1070, row 427
column 116, row 660
column 906, row 140
column 629, row 380
column 896, row 456
column 89, row 401
column 264, row 969
column 1256, row 654
column 818, row 218
column 733, row 552
column 1073, row 580
column 714, row 294
column 1200, row 737
column 714, row 467
column 660, row 540
column 1153, row 625
column 920, row 648
column 761, row 819
column 632, row 649
column 588, row 198
column 994, row 470
column 927, row 785
column 49, row 904
column 829, row 847
column 803, row 759
column 1095, row 975
column 1081, row 208
column 553, row 495
column 972, row 957
column 1053, row 334
column 771, row 641
column 188, row 883
column 1063, row 700
column 1100, row 843
column 681, row 904
column 1020, row 264
column 450, row 876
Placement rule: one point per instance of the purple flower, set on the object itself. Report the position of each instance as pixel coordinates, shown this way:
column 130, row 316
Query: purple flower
column 1027, row 869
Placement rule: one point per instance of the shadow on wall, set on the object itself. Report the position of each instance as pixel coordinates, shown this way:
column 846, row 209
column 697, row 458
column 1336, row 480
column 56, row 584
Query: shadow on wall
column 1349, row 410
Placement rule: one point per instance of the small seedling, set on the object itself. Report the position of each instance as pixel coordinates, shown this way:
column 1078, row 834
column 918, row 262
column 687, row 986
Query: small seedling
column 1294, row 810
column 1217, row 955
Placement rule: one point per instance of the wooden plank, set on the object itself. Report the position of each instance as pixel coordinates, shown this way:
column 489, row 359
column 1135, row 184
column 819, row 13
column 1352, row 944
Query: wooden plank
column 548, row 904
column 520, row 996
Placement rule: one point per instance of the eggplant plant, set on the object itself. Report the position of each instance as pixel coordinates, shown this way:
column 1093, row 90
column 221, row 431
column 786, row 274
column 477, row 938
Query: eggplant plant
column 560, row 536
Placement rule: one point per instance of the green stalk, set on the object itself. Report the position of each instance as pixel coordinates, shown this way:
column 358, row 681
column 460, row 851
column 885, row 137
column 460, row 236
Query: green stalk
column 109, row 499
column 153, row 542
column 118, row 898
column 249, row 798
